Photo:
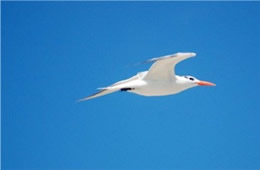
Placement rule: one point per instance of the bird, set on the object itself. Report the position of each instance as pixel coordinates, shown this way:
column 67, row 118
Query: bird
column 159, row 80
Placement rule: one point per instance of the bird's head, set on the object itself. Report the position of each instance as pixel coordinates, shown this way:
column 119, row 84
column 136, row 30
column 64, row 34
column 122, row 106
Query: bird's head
column 191, row 81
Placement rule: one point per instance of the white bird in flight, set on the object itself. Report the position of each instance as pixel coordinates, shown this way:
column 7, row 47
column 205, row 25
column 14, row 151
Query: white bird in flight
column 159, row 80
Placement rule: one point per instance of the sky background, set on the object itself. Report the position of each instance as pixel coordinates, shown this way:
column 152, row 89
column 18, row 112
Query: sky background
column 54, row 53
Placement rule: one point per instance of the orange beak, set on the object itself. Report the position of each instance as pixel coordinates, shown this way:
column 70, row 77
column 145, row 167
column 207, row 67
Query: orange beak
column 205, row 83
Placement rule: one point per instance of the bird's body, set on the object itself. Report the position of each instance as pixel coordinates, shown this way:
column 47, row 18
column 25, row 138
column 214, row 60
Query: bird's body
column 154, row 87
column 159, row 80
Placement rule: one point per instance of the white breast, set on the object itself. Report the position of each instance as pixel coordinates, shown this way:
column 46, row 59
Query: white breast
column 158, row 88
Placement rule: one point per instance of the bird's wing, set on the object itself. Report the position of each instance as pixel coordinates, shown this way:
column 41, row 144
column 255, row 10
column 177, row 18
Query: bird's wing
column 163, row 68
column 98, row 94
column 128, row 83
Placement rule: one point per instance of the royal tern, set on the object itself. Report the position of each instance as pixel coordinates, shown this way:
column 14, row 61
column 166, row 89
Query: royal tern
column 159, row 80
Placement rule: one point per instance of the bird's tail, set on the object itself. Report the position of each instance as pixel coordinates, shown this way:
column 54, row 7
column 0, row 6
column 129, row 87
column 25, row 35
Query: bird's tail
column 102, row 92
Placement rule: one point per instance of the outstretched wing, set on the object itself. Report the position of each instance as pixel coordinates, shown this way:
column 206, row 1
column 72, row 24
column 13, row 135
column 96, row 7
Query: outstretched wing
column 128, row 83
column 163, row 68
column 98, row 94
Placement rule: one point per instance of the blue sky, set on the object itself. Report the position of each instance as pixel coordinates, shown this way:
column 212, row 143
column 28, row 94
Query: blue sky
column 54, row 53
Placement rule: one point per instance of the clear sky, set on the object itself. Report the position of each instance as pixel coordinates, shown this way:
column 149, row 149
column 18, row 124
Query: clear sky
column 54, row 53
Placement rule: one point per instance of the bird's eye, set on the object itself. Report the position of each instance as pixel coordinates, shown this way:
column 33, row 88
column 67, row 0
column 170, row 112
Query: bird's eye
column 191, row 78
